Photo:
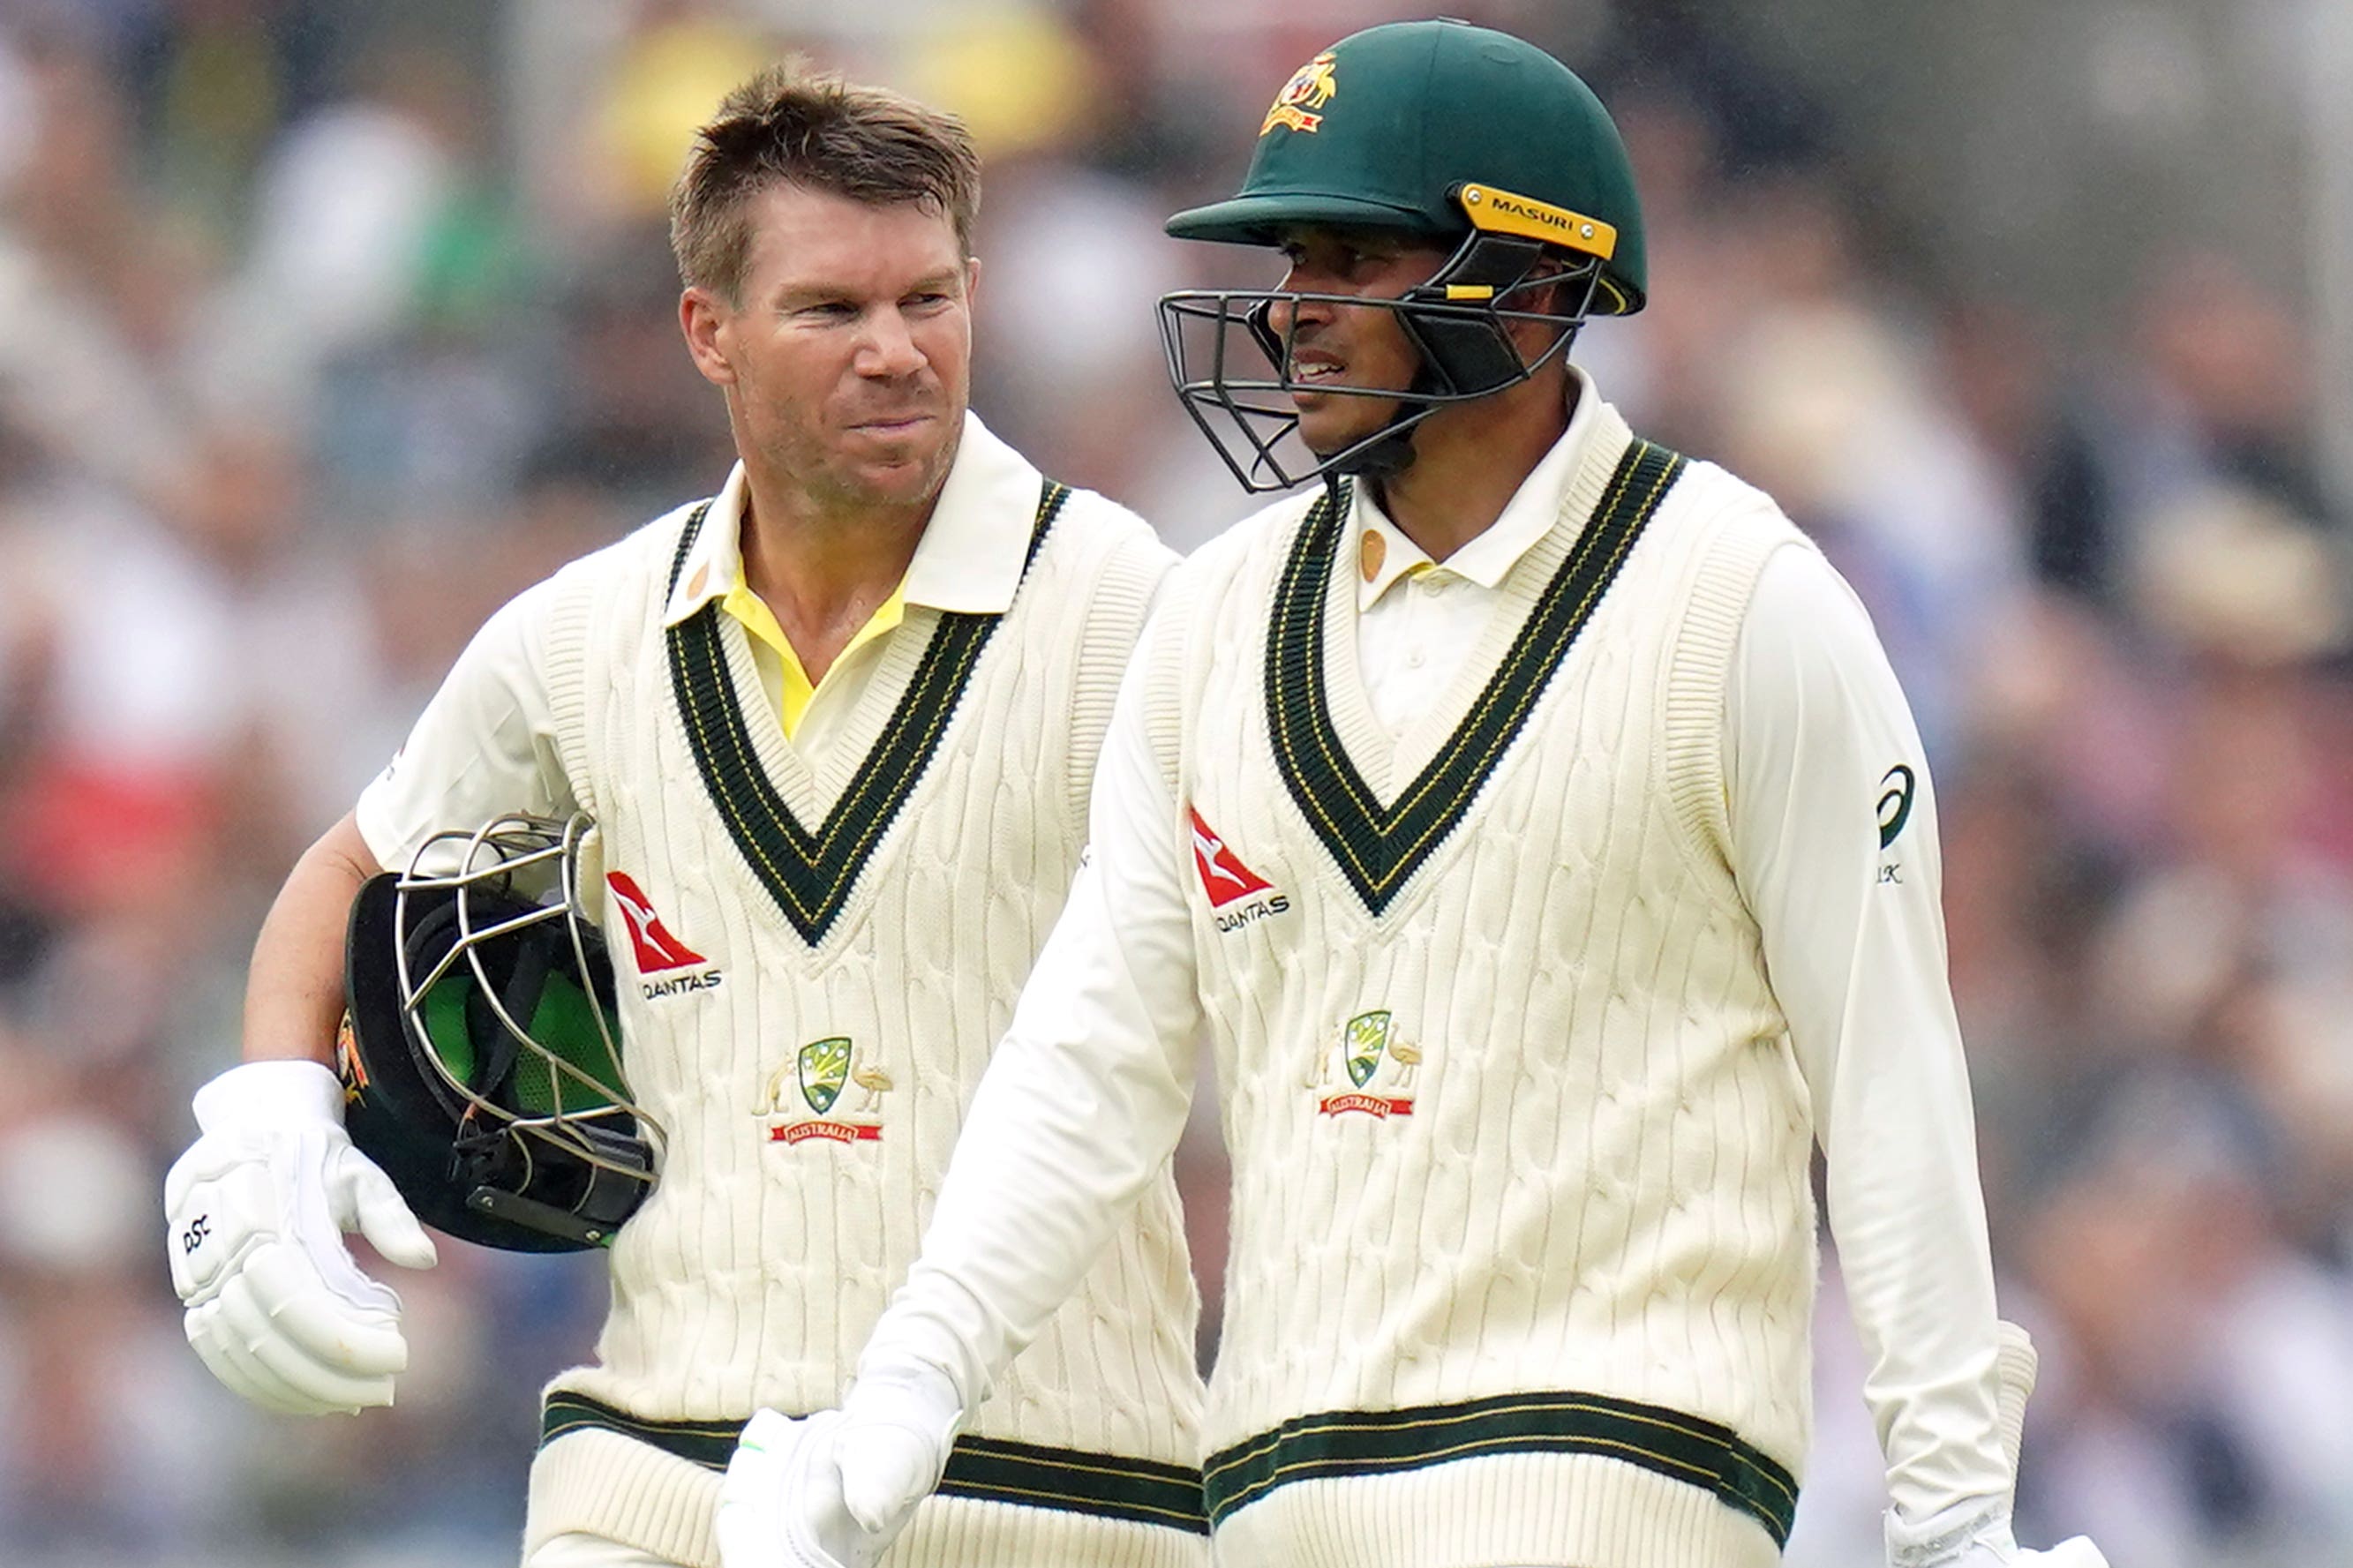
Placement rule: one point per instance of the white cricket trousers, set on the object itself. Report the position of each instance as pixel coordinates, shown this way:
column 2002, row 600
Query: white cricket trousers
column 592, row 1551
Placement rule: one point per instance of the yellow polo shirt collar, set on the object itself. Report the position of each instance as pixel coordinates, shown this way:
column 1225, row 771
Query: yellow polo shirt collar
column 969, row 560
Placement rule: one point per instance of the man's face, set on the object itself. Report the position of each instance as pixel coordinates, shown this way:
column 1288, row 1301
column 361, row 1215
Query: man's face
column 848, row 361
column 1341, row 345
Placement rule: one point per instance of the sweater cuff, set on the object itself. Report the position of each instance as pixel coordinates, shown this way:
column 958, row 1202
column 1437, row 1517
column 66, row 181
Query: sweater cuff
column 934, row 1327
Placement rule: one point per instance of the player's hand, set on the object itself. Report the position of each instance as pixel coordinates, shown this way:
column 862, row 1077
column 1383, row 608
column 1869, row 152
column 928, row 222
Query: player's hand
column 2077, row 1553
column 780, row 1504
column 1985, row 1543
column 835, row 1489
column 257, row 1209
column 1979, row 1544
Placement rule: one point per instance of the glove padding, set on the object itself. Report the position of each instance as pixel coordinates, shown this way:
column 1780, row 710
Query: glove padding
column 277, row 1307
column 835, row 1489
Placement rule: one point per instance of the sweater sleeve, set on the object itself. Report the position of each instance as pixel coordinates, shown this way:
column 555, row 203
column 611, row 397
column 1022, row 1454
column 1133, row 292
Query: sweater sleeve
column 485, row 745
column 1119, row 600
column 1084, row 1100
column 1817, row 731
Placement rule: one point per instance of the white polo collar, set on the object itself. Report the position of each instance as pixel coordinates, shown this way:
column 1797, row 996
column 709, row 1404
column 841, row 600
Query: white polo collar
column 1526, row 518
column 968, row 560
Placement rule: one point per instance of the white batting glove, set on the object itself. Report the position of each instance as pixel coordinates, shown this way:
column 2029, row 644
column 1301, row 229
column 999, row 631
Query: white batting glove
column 257, row 1209
column 834, row 1490
column 1991, row 1545
column 1986, row 1541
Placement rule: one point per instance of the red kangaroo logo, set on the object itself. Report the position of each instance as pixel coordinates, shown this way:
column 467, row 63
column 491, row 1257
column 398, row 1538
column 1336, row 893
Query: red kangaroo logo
column 1217, row 863
column 657, row 949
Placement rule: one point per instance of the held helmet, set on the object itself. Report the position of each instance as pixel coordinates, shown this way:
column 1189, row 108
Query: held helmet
column 481, row 1052
column 1450, row 134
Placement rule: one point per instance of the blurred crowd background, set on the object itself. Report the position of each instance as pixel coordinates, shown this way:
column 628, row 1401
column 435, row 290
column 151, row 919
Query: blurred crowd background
column 326, row 326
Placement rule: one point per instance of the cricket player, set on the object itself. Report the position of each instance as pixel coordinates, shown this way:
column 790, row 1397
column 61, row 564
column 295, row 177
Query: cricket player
column 837, row 729
column 1531, row 818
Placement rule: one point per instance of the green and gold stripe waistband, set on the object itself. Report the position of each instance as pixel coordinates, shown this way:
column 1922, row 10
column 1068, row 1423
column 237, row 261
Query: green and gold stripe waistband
column 986, row 1469
column 1356, row 1443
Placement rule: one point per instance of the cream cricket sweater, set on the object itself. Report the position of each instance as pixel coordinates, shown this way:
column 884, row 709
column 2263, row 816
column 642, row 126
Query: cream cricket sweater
column 822, row 962
column 1523, row 1252
column 1523, row 1241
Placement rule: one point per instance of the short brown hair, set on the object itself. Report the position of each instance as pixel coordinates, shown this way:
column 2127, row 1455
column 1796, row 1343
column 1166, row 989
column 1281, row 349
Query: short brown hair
column 794, row 123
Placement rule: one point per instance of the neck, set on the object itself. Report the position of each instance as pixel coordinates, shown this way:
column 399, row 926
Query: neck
column 821, row 565
column 1470, row 458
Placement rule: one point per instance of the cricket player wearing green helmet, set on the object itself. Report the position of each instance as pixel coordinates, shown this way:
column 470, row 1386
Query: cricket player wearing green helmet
column 1520, row 187
column 1531, row 818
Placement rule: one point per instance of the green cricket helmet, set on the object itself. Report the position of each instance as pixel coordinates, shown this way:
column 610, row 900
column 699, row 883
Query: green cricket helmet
column 1450, row 134
column 481, row 1051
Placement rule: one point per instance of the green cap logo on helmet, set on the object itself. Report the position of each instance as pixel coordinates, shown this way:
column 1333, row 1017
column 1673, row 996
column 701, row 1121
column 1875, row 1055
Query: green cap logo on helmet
column 1452, row 135
column 1311, row 87
column 1432, row 107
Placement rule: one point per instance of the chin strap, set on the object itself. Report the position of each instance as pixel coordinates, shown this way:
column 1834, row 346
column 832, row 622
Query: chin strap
column 1391, row 454
column 1383, row 459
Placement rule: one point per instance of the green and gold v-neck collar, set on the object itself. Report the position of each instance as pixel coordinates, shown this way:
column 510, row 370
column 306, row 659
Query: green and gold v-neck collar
column 810, row 874
column 1378, row 848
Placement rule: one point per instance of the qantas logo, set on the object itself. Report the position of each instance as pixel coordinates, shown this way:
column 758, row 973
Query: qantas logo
column 1227, row 881
column 1223, row 876
column 658, row 950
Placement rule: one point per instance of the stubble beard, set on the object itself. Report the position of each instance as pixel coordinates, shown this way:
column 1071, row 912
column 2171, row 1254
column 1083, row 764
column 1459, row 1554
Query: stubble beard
column 915, row 484
column 1366, row 417
column 837, row 481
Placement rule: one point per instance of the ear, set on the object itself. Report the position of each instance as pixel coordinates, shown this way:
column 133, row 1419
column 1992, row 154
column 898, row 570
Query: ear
column 971, row 279
column 708, row 324
column 1532, row 338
